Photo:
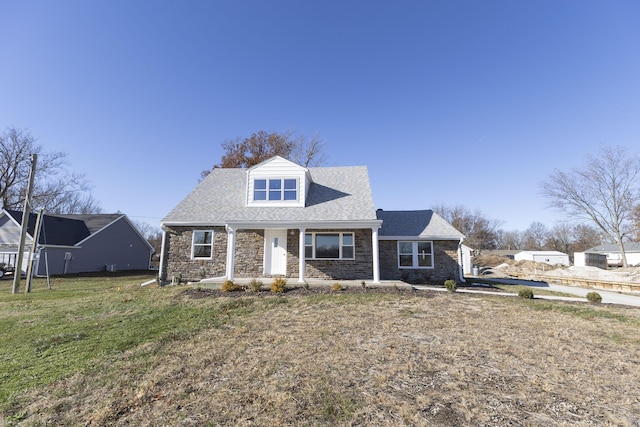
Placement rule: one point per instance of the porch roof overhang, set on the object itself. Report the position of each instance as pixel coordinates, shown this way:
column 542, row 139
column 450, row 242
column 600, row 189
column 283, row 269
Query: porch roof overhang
column 253, row 225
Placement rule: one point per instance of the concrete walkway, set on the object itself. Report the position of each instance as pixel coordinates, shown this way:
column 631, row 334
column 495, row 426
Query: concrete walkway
column 608, row 297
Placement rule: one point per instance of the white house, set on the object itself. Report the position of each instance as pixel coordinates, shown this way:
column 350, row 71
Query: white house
column 547, row 257
column 614, row 257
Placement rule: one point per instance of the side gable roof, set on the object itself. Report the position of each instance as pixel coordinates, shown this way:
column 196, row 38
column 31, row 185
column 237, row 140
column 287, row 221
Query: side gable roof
column 335, row 194
column 629, row 247
column 543, row 253
column 65, row 230
column 423, row 224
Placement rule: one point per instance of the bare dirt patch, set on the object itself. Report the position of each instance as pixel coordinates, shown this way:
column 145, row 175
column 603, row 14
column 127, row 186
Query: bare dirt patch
column 369, row 359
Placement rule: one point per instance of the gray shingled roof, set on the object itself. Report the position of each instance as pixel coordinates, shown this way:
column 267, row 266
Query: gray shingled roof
column 613, row 247
column 66, row 230
column 424, row 224
column 336, row 194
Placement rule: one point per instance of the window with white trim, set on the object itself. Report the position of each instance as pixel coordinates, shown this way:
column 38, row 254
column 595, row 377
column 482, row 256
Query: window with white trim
column 202, row 244
column 275, row 189
column 329, row 246
column 418, row 254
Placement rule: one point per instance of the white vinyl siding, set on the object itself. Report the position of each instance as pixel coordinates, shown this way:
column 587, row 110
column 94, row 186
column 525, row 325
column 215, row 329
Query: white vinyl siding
column 277, row 183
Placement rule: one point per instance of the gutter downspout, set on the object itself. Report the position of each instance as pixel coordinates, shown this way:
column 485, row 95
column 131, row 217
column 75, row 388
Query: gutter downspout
column 460, row 261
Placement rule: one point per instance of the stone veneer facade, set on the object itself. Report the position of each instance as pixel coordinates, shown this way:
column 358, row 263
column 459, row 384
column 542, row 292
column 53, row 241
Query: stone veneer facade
column 360, row 268
column 249, row 258
column 445, row 264
column 178, row 254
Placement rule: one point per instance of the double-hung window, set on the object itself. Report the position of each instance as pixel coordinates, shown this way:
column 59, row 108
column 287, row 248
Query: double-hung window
column 202, row 244
column 415, row 254
column 275, row 189
column 329, row 246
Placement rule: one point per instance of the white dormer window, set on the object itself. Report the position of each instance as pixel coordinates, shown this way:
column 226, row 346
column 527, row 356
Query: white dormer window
column 275, row 189
column 277, row 182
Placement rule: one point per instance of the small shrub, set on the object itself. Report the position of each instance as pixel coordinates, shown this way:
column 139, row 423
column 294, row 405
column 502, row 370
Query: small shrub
column 306, row 285
column 337, row 287
column 255, row 285
column 363, row 284
column 525, row 293
column 594, row 297
column 279, row 284
column 451, row 285
column 229, row 286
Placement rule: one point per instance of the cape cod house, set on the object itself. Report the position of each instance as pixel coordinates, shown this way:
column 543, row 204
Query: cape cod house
column 280, row 219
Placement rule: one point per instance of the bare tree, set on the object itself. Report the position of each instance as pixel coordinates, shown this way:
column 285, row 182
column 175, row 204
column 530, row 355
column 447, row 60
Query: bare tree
column 636, row 223
column 152, row 234
column 56, row 190
column 247, row 152
column 536, row 236
column 604, row 191
column 512, row 240
column 480, row 231
column 561, row 238
column 586, row 237
column 307, row 151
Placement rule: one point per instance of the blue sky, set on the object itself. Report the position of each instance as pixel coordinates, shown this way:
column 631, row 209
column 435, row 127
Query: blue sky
column 468, row 103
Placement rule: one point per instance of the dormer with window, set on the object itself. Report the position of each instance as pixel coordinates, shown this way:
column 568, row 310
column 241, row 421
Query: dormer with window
column 277, row 182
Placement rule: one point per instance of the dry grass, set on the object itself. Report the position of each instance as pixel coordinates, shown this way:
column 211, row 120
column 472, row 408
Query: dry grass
column 367, row 359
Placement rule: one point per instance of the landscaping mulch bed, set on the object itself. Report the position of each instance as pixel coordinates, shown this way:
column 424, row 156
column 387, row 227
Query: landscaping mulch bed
column 197, row 293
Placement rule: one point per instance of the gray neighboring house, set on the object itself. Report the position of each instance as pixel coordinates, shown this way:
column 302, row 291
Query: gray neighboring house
column 77, row 243
column 280, row 219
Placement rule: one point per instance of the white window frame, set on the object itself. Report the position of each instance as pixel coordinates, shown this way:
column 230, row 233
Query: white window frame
column 194, row 244
column 341, row 244
column 282, row 191
column 415, row 255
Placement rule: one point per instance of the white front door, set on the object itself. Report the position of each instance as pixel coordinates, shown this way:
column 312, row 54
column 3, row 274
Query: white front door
column 275, row 252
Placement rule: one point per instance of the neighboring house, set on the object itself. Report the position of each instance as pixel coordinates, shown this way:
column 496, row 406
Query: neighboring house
column 614, row 256
column 547, row 257
column 281, row 219
column 76, row 243
column 584, row 259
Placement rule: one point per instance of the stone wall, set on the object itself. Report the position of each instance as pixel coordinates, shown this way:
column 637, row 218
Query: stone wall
column 360, row 268
column 178, row 256
column 249, row 257
column 445, row 260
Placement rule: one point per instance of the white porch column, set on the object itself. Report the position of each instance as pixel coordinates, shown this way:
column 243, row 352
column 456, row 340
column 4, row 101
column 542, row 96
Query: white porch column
column 231, row 249
column 301, row 267
column 376, row 255
column 162, row 271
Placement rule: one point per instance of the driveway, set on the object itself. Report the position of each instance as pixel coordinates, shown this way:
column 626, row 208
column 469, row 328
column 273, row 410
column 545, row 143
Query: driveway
column 608, row 297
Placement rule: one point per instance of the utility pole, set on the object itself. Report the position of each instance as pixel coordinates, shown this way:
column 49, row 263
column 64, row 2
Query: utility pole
column 17, row 272
column 32, row 252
